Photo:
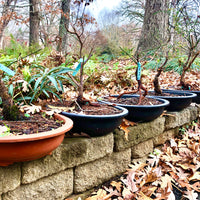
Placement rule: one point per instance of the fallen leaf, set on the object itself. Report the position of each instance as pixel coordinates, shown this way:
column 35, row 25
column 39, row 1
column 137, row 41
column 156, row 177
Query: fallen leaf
column 125, row 125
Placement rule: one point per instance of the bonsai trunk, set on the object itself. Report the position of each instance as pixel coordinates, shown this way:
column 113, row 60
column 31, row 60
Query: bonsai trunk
column 156, row 78
column 156, row 82
column 184, row 85
column 10, row 111
column 139, row 89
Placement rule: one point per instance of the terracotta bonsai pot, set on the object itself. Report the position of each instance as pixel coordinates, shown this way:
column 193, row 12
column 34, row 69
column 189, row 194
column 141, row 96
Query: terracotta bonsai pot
column 30, row 147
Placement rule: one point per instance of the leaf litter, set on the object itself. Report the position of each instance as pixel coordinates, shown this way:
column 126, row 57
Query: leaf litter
column 168, row 174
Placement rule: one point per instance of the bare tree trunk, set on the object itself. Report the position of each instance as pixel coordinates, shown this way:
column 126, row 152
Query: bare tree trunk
column 10, row 111
column 34, row 22
column 6, row 16
column 64, row 21
column 155, row 25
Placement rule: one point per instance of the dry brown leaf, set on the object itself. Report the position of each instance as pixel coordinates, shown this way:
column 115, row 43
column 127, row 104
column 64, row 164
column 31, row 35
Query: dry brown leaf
column 195, row 177
column 191, row 195
column 142, row 196
column 125, row 125
column 127, row 194
column 118, row 185
column 99, row 195
column 196, row 186
column 166, row 181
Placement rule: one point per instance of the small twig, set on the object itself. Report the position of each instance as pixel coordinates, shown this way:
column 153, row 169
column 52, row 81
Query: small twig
column 176, row 187
column 78, row 105
column 73, row 79
column 25, row 57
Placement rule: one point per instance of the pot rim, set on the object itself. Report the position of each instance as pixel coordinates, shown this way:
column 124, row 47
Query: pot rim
column 68, row 124
column 190, row 94
column 122, row 114
column 163, row 104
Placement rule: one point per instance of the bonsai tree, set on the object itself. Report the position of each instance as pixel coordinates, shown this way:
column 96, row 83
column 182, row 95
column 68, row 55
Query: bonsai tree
column 136, row 59
column 187, row 25
column 79, row 24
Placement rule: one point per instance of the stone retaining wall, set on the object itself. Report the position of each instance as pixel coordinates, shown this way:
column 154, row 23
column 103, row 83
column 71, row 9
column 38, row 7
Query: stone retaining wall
column 79, row 164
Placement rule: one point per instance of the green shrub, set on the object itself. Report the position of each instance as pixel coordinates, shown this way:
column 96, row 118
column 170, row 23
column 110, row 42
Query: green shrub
column 35, row 81
column 173, row 64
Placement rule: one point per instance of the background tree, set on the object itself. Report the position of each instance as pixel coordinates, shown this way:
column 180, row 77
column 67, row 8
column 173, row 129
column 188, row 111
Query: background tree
column 132, row 10
column 64, row 21
column 155, row 25
column 49, row 16
column 7, row 14
column 34, row 22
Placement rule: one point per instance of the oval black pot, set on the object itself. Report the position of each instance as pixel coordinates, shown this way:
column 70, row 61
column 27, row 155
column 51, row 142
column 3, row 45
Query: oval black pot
column 96, row 125
column 177, row 103
column 194, row 99
column 143, row 113
column 197, row 98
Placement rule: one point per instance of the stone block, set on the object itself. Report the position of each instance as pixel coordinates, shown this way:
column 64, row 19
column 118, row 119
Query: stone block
column 10, row 178
column 142, row 149
column 193, row 113
column 94, row 173
column 139, row 133
column 175, row 119
column 72, row 152
column 166, row 135
column 55, row 187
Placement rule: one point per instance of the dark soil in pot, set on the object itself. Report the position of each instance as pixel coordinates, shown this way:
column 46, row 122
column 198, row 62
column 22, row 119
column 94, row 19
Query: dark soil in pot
column 96, row 109
column 150, row 108
column 178, row 99
column 31, row 125
column 134, row 101
column 95, row 121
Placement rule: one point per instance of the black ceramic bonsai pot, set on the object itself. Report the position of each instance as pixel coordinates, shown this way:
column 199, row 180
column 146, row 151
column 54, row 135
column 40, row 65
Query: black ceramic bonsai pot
column 194, row 99
column 142, row 113
column 96, row 125
column 177, row 103
column 197, row 98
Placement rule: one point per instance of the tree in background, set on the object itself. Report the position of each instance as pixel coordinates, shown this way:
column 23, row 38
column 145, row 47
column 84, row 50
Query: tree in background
column 155, row 25
column 34, row 22
column 7, row 14
column 132, row 10
column 49, row 20
column 64, row 21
